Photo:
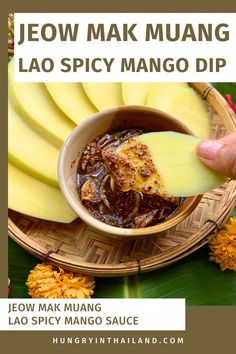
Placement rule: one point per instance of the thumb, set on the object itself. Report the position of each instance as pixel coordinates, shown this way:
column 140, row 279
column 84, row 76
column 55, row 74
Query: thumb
column 219, row 156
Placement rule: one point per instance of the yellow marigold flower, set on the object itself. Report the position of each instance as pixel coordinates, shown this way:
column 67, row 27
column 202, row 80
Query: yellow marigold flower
column 47, row 281
column 223, row 246
column 231, row 226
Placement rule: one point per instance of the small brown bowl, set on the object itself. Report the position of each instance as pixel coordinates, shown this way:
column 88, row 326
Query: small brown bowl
column 115, row 119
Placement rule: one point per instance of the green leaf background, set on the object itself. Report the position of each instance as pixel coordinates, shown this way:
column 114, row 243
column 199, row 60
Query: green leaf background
column 195, row 278
column 226, row 87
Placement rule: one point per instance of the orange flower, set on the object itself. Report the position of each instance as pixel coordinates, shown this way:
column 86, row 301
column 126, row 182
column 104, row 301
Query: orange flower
column 46, row 281
column 223, row 246
column 231, row 226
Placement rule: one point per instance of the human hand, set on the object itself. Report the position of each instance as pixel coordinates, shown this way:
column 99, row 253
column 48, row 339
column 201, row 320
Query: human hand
column 219, row 155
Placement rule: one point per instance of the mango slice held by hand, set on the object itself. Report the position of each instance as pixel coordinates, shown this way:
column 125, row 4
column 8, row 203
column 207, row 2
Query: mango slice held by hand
column 104, row 94
column 163, row 163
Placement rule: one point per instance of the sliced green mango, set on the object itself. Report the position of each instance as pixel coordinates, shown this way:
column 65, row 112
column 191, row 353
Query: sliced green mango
column 163, row 163
column 160, row 94
column 135, row 93
column 71, row 99
column 29, row 196
column 34, row 102
column 181, row 101
column 29, row 151
column 188, row 107
column 104, row 94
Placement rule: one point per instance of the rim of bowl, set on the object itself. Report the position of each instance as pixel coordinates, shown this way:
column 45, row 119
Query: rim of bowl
column 83, row 212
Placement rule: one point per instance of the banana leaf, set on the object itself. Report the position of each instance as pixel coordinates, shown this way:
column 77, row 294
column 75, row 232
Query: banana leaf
column 194, row 278
column 226, row 87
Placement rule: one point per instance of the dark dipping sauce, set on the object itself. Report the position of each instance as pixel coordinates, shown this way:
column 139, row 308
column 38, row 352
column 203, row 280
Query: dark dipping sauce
column 103, row 198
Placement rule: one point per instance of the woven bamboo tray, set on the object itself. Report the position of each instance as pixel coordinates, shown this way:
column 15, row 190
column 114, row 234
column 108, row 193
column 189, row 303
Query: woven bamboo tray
column 78, row 248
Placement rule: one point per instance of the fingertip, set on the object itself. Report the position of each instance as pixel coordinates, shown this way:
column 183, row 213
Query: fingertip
column 208, row 149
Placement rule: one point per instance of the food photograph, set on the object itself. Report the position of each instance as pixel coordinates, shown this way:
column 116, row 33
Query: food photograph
column 121, row 189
